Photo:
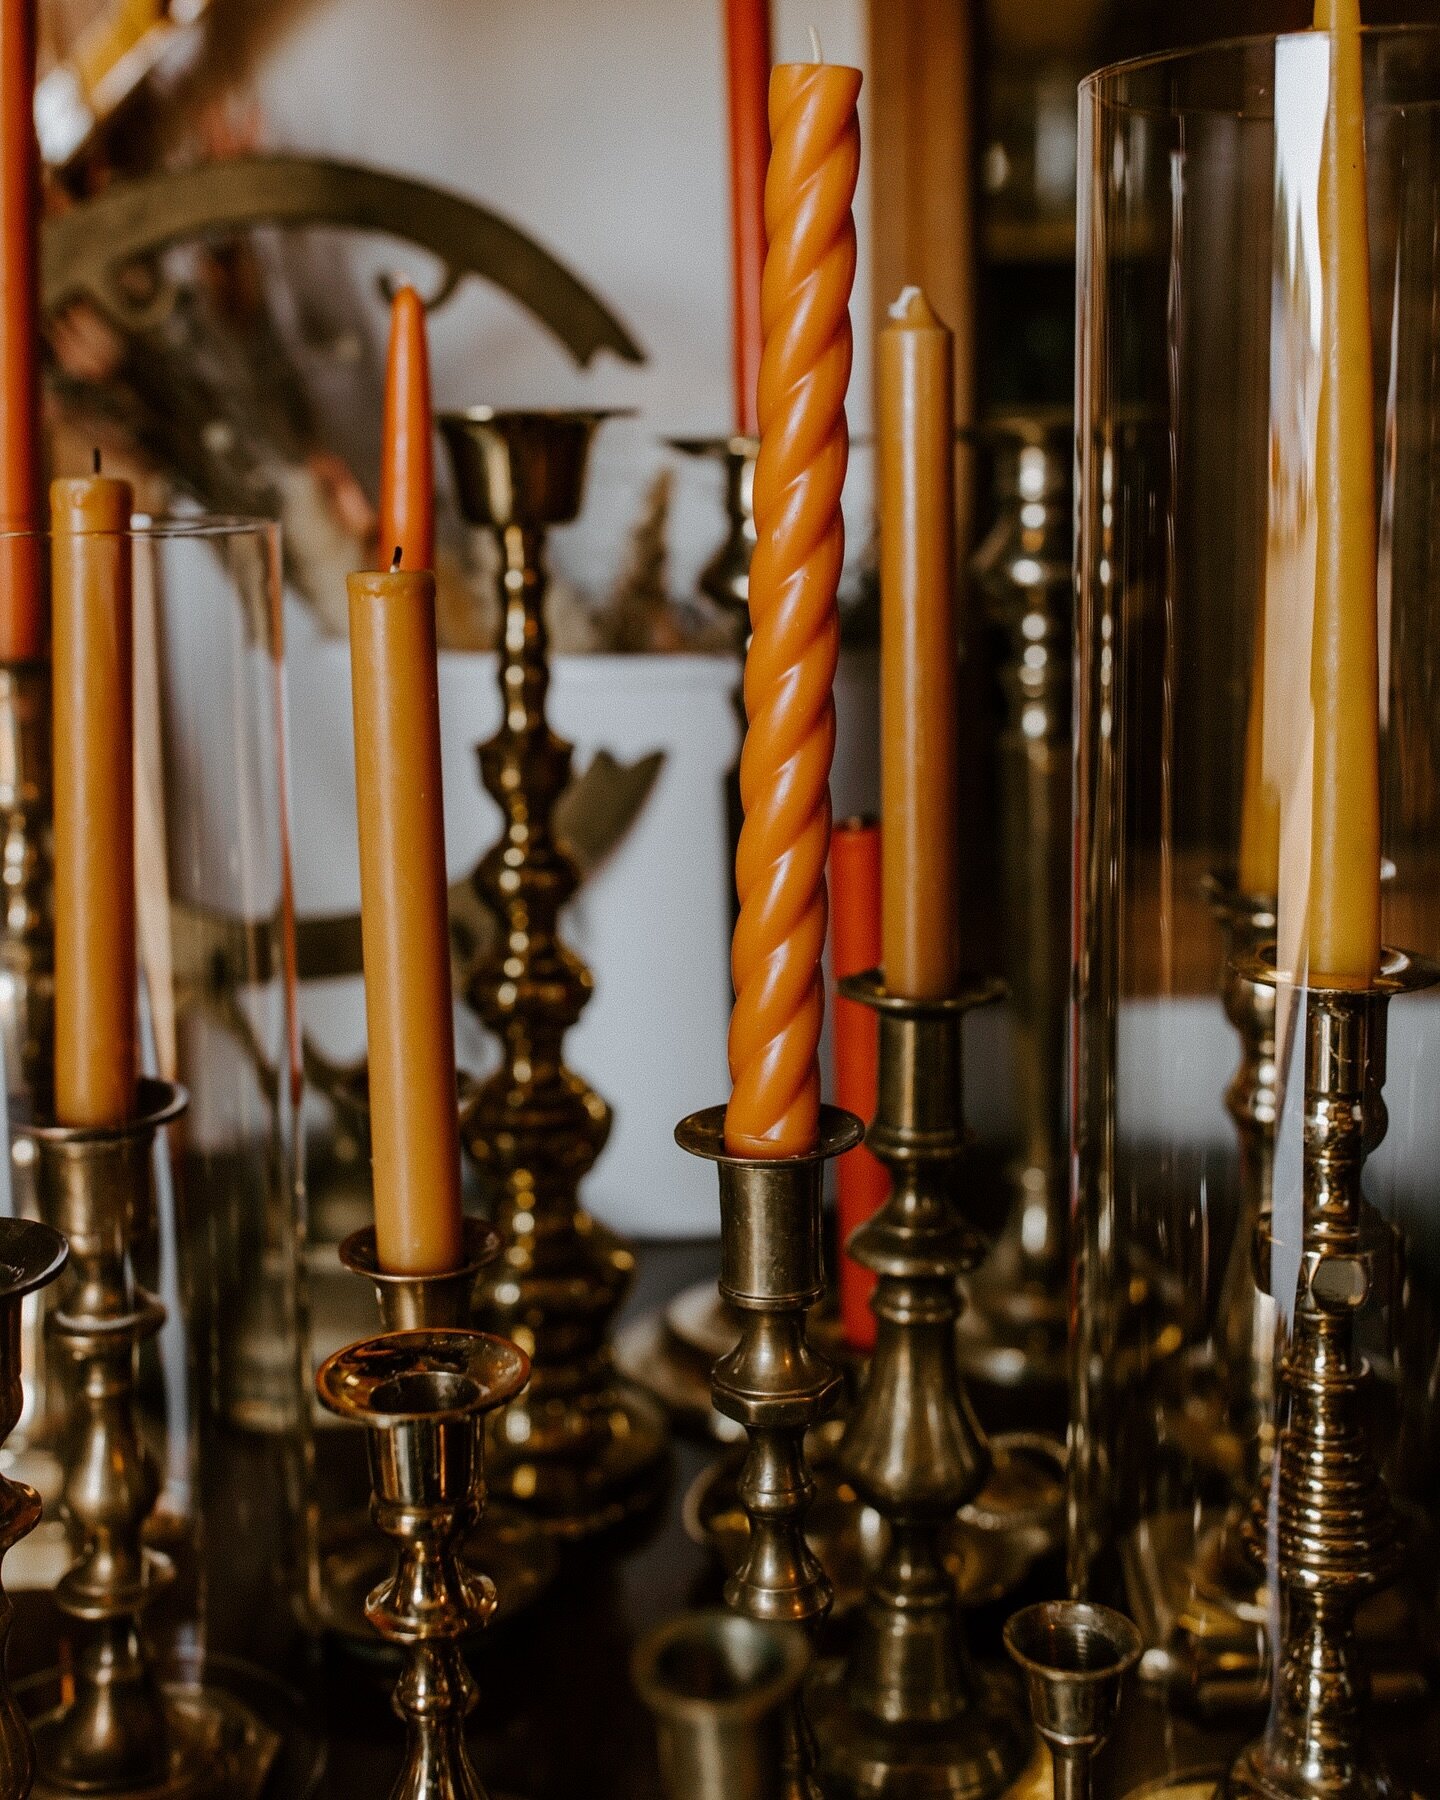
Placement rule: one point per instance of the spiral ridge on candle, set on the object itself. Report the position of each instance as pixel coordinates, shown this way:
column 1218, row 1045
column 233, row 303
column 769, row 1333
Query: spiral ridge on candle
column 794, row 648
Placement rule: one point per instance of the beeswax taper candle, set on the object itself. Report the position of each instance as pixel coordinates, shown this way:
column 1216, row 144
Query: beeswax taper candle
column 407, row 449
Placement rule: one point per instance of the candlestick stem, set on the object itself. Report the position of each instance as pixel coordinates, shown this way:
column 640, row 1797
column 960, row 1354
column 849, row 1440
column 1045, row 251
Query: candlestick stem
column 27, row 915
column 773, row 1383
column 908, row 1712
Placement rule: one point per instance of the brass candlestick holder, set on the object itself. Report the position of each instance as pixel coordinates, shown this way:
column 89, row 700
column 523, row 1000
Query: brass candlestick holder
column 1336, row 1535
column 27, row 922
column 773, row 1383
column 717, row 1683
column 725, row 579
column 908, row 1713
column 423, row 1397
column 31, row 1256
column 117, row 1730
column 583, row 1449
column 1074, row 1657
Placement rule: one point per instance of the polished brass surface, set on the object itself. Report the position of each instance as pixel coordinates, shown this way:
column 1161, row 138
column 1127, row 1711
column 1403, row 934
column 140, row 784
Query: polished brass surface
column 1074, row 1657
column 716, row 1683
column 31, row 1256
column 415, row 1302
column 91, row 251
column 725, row 579
column 423, row 1397
column 1335, row 1532
column 116, row 1732
column 582, row 1449
column 773, row 1382
column 908, row 1712
column 27, row 922
column 1013, row 1331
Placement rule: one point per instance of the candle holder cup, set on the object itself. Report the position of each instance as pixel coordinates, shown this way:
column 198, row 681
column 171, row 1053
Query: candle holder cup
column 583, row 1449
column 773, row 1383
column 908, row 1712
column 422, row 1397
column 725, row 579
column 118, row 1730
column 31, row 1257
column 1074, row 1658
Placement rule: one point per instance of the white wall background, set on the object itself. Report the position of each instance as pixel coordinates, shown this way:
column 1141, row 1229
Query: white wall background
column 598, row 126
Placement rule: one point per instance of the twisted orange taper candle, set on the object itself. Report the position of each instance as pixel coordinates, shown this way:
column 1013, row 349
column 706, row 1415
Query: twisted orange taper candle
column 1343, row 921
column 794, row 575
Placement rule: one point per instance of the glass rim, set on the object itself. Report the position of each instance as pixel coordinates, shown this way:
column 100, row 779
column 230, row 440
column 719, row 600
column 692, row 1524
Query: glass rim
column 157, row 525
column 1091, row 85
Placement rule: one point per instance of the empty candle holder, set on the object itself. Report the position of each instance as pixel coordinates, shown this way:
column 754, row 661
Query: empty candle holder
column 725, row 579
column 717, row 1684
column 1074, row 1657
column 117, row 1729
column 773, row 1382
column 583, row 1449
column 908, row 1712
column 31, row 1256
column 423, row 1397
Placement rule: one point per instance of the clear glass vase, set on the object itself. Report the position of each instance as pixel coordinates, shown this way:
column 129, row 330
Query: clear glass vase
column 1256, row 1333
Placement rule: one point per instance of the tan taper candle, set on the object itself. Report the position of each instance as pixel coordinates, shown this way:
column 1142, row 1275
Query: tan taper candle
column 915, row 436
column 97, row 1060
column 414, row 1128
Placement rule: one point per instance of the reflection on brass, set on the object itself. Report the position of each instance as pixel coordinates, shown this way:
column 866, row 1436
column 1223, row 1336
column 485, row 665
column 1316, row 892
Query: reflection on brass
column 773, row 1382
column 27, row 921
column 1013, row 1332
column 908, row 1713
column 423, row 1397
column 91, row 252
column 1074, row 1658
column 716, row 1683
column 1336, row 1534
column 31, row 1256
column 582, row 1449
column 116, row 1731
column 725, row 579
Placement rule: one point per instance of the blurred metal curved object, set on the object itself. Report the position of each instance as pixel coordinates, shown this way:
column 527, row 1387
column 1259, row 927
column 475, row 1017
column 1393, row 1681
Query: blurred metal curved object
column 92, row 251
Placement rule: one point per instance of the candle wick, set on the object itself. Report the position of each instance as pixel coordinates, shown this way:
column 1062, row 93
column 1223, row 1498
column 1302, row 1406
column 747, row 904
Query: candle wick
column 395, row 559
column 816, row 53
column 95, row 460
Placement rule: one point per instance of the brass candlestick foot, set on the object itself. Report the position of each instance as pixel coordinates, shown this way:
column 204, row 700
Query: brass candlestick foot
column 1075, row 1658
column 422, row 1396
column 117, row 1731
column 725, row 579
column 773, row 1383
column 31, row 1256
column 1335, row 1531
column 583, row 1450
column 908, row 1713
column 716, row 1683
column 521, row 1558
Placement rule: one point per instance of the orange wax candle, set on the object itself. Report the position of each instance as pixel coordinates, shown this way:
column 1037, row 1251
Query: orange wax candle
column 747, row 46
column 918, row 648
column 22, row 616
column 97, row 1055
column 414, row 1124
column 795, row 643
column 862, row 1181
column 1343, row 919
column 407, row 467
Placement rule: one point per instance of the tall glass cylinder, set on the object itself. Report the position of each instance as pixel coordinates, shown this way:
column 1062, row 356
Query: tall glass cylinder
column 1256, row 1247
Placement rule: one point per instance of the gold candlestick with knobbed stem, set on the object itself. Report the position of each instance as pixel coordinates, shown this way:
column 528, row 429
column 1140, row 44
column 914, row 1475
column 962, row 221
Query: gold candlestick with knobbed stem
column 583, row 1449
column 907, row 1712
column 1336, row 1534
column 773, row 1383
column 423, row 1397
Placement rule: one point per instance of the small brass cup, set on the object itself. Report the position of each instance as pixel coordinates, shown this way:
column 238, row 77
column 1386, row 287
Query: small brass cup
column 717, row 1683
column 1074, row 1657
column 422, row 1302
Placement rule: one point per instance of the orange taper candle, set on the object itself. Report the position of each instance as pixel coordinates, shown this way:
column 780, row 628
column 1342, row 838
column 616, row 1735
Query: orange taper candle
column 1343, row 920
column 97, row 1057
column 862, row 1182
column 414, row 1125
column 747, row 57
column 918, row 648
column 23, row 629
column 407, row 462
column 794, row 575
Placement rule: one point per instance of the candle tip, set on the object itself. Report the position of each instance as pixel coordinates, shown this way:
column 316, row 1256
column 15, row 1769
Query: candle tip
column 95, row 460
column 395, row 559
column 816, row 53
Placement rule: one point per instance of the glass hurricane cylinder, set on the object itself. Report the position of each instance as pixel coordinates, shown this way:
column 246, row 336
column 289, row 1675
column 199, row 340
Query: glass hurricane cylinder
column 1256, row 1249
